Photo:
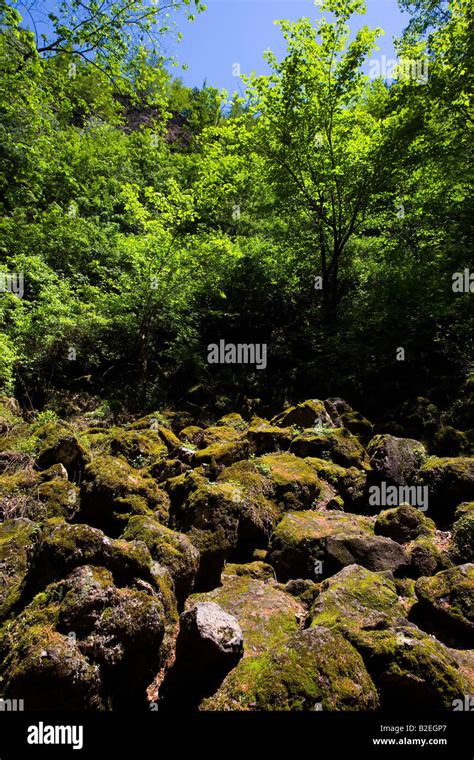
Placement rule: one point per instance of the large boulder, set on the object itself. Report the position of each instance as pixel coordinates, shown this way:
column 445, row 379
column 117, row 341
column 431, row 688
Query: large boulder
column 446, row 605
column 309, row 414
column 112, row 491
column 463, row 533
column 338, row 445
column 403, row 524
column 396, row 460
column 209, row 645
column 19, row 540
column 450, row 480
column 267, row 615
column 84, row 643
column 315, row 544
column 318, row 670
column 59, row 445
column 296, row 483
column 170, row 548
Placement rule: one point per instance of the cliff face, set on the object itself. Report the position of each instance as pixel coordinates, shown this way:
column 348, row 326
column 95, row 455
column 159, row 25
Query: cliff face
column 244, row 565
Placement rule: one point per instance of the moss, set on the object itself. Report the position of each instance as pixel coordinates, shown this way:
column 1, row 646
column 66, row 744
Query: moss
column 339, row 445
column 219, row 434
column 317, row 670
column 233, row 420
column 463, row 537
column 451, row 442
column 267, row 438
column 357, row 424
column 192, row 434
column 450, row 480
column 222, row 453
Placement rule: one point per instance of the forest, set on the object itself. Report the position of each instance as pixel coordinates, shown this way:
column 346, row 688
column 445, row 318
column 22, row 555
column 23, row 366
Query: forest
column 236, row 378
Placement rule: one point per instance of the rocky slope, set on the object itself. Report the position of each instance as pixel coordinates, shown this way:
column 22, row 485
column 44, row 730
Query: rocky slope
column 244, row 565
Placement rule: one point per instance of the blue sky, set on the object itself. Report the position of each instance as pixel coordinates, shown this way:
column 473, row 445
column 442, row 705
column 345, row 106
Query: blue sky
column 238, row 31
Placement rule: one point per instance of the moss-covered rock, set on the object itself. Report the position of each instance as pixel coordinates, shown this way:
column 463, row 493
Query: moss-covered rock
column 296, row 483
column 258, row 511
column 357, row 424
column 222, row 454
column 193, row 434
column 426, row 557
column 403, row 524
column 233, row 420
column 349, row 482
column 209, row 516
column 446, row 605
column 112, row 491
column 59, row 445
column 338, row 445
column 356, row 598
column 84, row 643
column 298, row 545
column 219, row 434
column 306, row 415
column 266, row 614
column 138, row 447
column 318, row 670
column 463, row 533
column 396, row 460
column 422, row 417
column 267, row 438
column 450, row 480
column 449, row 442
column 19, row 540
column 257, row 570
column 168, row 547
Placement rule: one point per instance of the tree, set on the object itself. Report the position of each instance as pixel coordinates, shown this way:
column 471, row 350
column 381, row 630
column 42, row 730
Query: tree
column 321, row 141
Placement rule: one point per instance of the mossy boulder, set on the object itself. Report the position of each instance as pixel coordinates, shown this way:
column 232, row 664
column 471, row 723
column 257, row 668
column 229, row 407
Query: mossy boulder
column 112, row 492
column 193, row 434
column 219, row 434
column 266, row 614
column 338, row 445
column 258, row 511
column 463, row 534
column 257, row 570
column 446, row 605
column 222, row 454
column 138, row 447
column 348, row 482
column 296, row 483
column 83, row 643
column 306, row 415
column 59, row 445
column 168, row 547
column 422, row 417
column 396, row 460
column 298, row 544
column 233, row 420
column 318, row 670
column 357, row 424
column 449, row 442
column 267, row 438
column 426, row 557
column 210, row 518
column 64, row 547
column 19, row 539
column 450, row 480
column 356, row 598
column 411, row 670
column 403, row 524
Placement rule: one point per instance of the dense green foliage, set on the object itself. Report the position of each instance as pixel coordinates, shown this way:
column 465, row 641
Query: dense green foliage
column 149, row 220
